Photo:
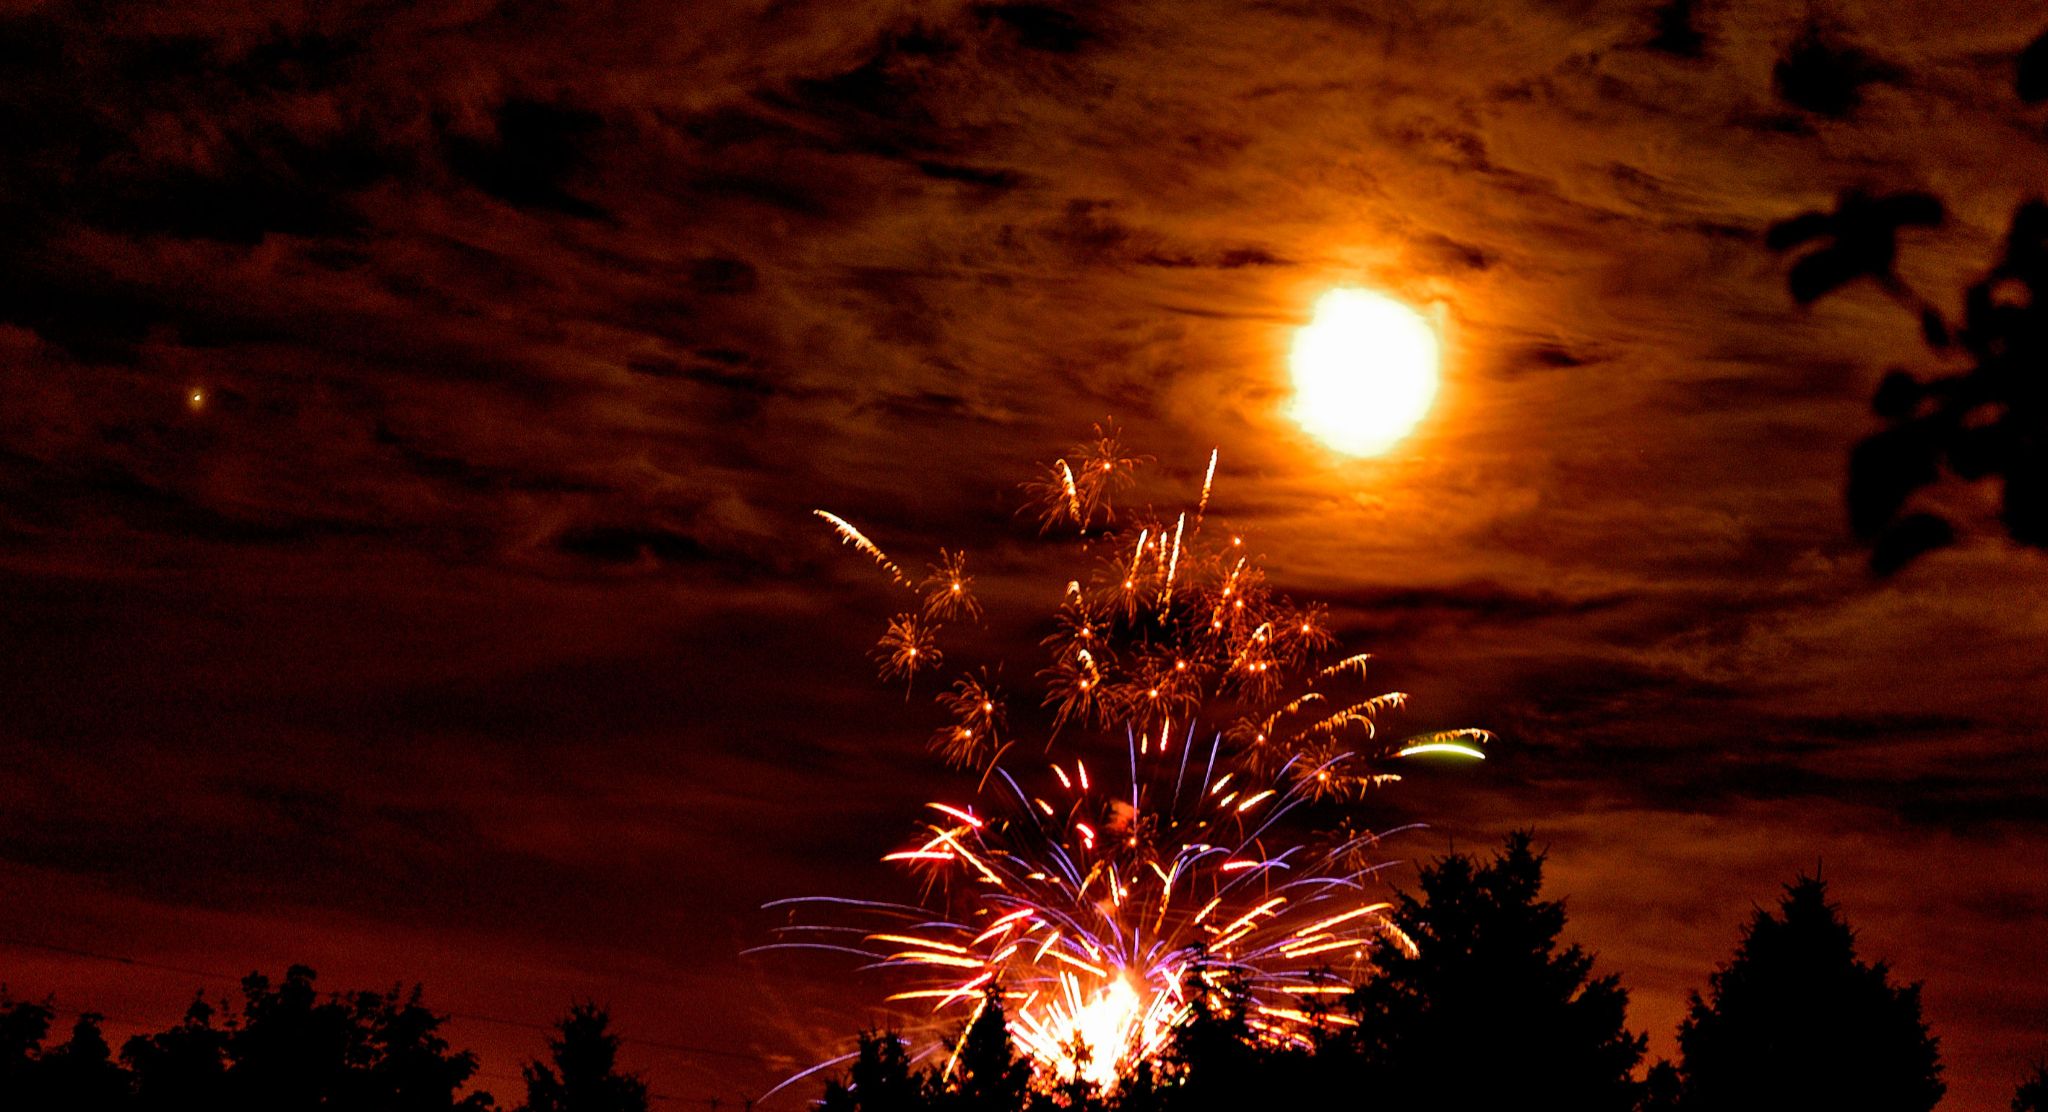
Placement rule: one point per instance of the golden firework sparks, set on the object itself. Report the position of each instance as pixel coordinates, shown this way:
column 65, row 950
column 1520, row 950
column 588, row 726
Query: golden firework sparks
column 949, row 590
column 1208, row 480
column 974, row 734
column 1173, row 563
column 908, row 646
column 1109, row 916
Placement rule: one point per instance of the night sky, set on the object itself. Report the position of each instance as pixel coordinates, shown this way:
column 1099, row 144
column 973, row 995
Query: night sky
column 410, row 418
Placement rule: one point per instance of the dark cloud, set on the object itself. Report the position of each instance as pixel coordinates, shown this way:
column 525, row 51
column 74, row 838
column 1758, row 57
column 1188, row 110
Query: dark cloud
column 532, row 156
column 1040, row 26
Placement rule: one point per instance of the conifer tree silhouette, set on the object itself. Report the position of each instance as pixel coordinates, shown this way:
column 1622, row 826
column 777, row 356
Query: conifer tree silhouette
column 583, row 1075
column 990, row 1076
column 1797, row 1021
column 1214, row 1063
column 1491, row 1013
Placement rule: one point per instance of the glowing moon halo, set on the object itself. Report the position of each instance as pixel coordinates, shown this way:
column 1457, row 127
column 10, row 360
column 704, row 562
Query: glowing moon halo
column 1365, row 371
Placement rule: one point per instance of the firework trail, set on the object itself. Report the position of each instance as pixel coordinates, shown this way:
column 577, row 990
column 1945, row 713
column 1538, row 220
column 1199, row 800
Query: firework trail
column 861, row 543
column 1208, row 481
column 1107, row 909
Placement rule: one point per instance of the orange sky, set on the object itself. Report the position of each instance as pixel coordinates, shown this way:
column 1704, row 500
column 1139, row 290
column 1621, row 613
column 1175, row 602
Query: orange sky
column 473, row 628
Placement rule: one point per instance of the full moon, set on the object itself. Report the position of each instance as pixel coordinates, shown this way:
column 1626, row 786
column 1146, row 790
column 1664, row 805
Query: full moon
column 1365, row 370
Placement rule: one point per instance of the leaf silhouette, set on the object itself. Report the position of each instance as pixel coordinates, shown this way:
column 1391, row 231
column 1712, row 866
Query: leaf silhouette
column 2025, row 511
column 1884, row 470
column 1825, row 76
column 1934, row 329
column 1797, row 230
column 1859, row 239
column 1897, row 396
column 1908, row 539
column 2031, row 73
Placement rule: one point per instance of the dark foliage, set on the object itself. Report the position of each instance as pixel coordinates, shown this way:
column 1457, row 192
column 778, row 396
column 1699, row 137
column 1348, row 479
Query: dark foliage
column 1984, row 420
column 1492, row 1012
column 1663, row 1089
column 990, row 1075
column 289, row 1049
column 1826, row 76
column 2031, row 76
column 1797, row 1021
column 1860, row 239
column 1490, row 973
column 880, row 1079
column 1675, row 31
column 2032, row 1095
column 583, row 1074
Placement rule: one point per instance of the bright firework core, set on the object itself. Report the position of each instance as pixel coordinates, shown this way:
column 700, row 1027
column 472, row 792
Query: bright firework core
column 1365, row 371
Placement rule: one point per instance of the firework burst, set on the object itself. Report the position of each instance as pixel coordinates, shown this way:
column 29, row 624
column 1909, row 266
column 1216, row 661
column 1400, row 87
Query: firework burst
column 1107, row 904
column 1103, row 915
column 974, row 736
column 908, row 646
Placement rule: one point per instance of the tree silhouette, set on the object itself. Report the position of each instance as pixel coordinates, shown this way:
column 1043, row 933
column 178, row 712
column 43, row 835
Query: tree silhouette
column 1987, row 419
column 83, row 1070
column 2032, row 1095
column 183, row 1067
column 1488, row 983
column 880, row 1079
column 1663, row 1089
column 1214, row 1063
column 1796, row 1020
column 293, row 1049
column 79, row 1074
column 584, row 1076
column 289, row 1049
column 23, row 1027
column 989, row 1076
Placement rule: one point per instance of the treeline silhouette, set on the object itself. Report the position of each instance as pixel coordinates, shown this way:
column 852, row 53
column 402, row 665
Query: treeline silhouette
column 290, row 1048
column 1491, row 1011
column 1494, row 1012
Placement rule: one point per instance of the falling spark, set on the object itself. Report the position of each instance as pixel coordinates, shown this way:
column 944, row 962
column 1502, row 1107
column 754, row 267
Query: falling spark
column 1173, row 564
column 1354, row 662
column 861, row 543
column 1208, row 480
column 1073, row 494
